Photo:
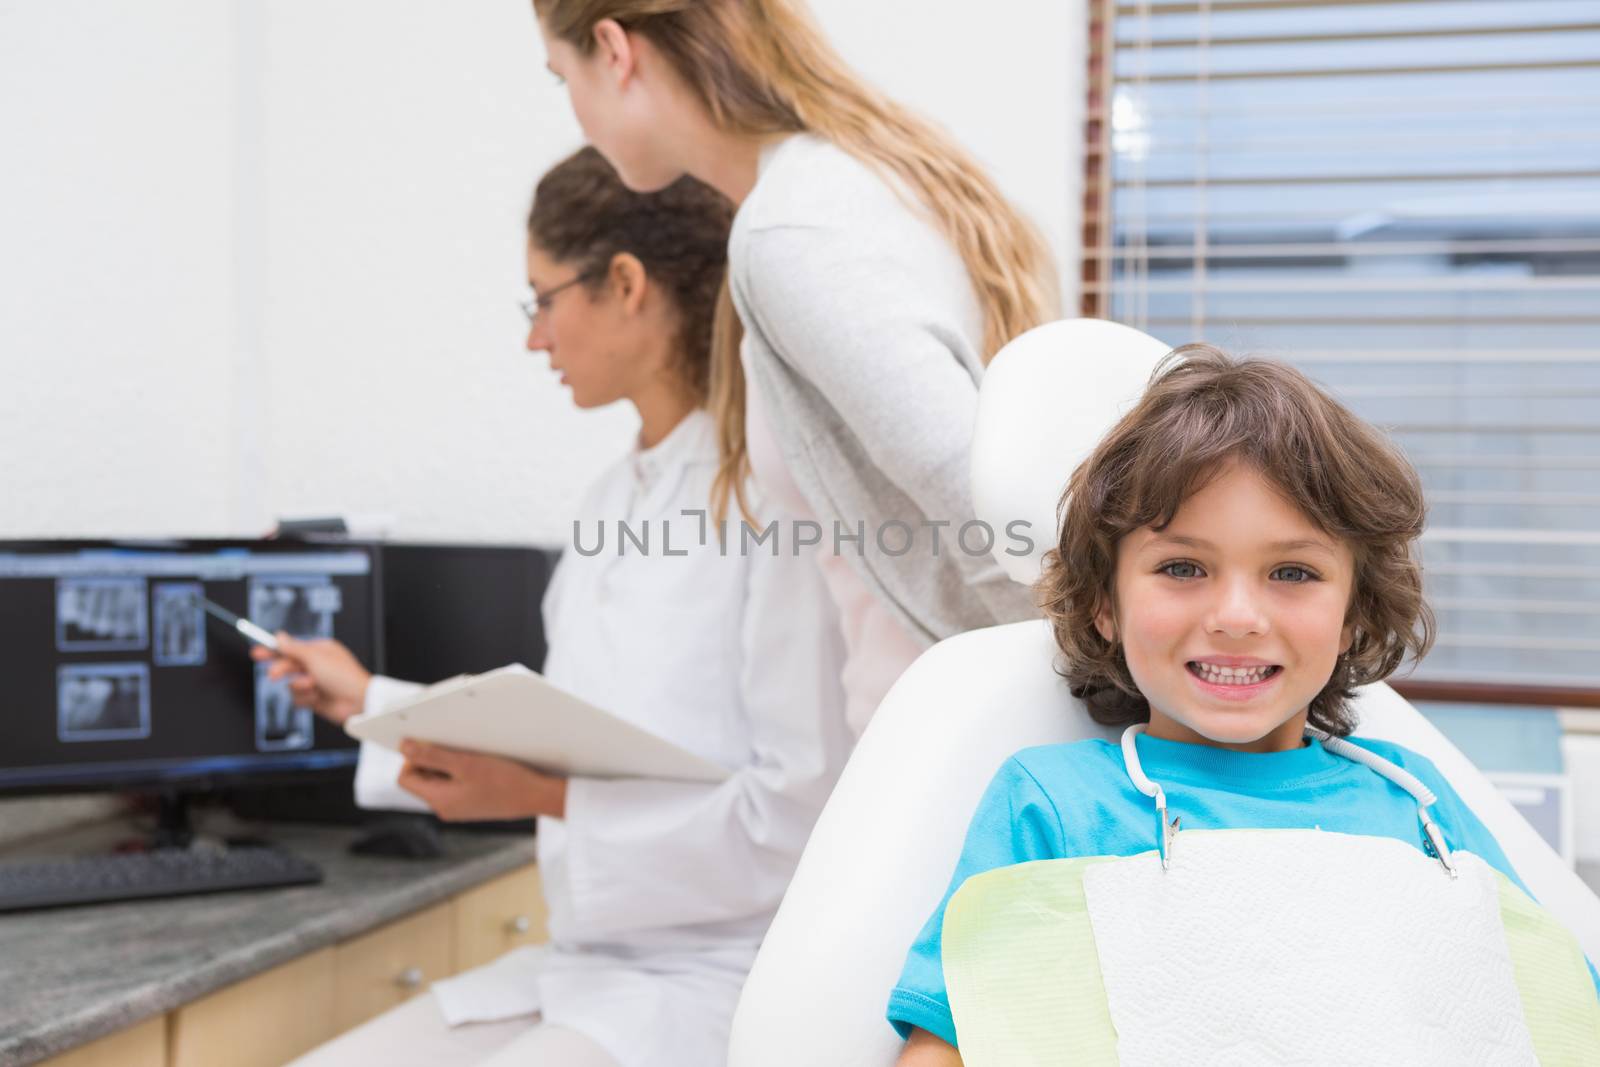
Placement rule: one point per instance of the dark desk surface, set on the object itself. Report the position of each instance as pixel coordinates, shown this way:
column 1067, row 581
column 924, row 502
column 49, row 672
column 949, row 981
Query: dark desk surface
column 70, row 975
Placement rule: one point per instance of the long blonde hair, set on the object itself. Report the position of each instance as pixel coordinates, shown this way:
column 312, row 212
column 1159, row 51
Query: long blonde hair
column 762, row 67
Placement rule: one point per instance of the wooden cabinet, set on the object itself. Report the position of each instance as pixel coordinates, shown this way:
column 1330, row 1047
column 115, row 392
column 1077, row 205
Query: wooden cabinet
column 499, row 916
column 283, row 1013
column 144, row 1045
column 389, row 966
column 264, row 1021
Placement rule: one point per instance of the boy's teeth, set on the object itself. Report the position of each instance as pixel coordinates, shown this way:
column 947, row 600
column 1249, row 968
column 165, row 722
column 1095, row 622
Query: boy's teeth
column 1232, row 675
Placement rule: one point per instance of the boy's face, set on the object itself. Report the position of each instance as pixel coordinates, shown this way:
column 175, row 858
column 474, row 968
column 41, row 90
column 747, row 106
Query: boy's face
column 1232, row 617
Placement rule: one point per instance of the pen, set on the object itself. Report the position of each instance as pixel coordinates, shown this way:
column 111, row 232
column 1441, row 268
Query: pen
column 249, row 629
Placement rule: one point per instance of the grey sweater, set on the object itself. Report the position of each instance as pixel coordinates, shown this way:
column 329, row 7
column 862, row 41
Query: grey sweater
column 864, row 334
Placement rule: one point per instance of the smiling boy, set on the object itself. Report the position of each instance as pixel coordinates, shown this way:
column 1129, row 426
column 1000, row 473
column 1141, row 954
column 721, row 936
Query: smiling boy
column 1236, row 557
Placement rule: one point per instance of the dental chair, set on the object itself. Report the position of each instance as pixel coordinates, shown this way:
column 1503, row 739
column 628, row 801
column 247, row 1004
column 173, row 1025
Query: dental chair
column 885, row 846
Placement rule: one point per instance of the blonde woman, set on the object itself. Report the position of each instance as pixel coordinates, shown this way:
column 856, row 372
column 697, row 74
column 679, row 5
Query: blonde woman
column 874, row 270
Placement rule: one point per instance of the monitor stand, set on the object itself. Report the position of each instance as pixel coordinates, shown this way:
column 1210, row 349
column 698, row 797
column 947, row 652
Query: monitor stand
column 173, row 828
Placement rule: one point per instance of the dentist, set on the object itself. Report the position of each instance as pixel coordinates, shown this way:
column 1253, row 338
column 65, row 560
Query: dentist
column 659, row 892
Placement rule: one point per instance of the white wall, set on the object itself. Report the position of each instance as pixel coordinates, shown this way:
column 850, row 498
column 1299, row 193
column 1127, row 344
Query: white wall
column 262, row 258
column 403, row 141
column 116, row 253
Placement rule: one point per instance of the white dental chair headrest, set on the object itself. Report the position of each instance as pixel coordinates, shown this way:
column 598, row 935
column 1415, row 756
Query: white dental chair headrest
column 1048, row 398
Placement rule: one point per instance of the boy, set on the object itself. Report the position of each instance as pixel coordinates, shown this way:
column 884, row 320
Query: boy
column 1236, row 557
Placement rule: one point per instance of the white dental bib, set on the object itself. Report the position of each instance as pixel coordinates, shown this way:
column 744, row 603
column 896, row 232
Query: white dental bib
column 1244, row 947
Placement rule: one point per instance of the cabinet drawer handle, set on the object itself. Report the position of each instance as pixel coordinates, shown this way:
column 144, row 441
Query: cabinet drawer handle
column 519, row 925
column 410, row 978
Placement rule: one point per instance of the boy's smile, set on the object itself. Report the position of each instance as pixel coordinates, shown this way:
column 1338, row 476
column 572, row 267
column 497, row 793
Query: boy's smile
column 1233, row 677
column 1232, row 617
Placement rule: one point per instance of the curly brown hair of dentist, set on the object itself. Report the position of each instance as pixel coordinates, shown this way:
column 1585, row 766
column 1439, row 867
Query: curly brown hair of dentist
column 1202, row 411
column 583, row 215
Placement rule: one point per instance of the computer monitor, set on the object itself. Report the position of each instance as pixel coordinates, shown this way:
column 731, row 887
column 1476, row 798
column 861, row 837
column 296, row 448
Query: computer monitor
column 454, row 609
column 448, row 609
column 116, row 678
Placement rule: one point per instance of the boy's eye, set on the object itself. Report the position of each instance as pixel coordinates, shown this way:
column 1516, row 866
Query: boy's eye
column 1181, row 568
column 1291, row 573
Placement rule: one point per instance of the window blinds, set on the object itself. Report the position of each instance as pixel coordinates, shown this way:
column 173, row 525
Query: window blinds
column 1402, row 198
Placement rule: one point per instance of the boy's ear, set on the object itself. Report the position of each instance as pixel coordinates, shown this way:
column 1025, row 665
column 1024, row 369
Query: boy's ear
column 1347, row 637
column 1105, row 621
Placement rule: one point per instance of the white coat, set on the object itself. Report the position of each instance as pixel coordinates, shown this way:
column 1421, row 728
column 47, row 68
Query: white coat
column 660, row 892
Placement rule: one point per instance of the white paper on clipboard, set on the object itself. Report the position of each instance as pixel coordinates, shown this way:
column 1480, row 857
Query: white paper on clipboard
column 515, row 712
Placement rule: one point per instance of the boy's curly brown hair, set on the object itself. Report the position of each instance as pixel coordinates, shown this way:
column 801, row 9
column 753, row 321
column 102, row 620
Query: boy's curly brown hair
column 1202, row 410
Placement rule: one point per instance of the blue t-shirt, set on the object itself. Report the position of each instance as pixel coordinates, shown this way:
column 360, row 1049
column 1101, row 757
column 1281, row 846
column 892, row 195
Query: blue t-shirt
column 1064, row 801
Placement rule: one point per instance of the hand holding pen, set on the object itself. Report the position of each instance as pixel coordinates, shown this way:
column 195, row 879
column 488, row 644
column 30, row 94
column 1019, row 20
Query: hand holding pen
column 323, row 675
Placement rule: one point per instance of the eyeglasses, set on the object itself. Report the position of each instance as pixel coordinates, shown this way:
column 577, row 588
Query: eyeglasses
column 540, row 302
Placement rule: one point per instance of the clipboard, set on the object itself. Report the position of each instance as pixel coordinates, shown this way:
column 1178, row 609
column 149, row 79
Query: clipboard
column 514, row 712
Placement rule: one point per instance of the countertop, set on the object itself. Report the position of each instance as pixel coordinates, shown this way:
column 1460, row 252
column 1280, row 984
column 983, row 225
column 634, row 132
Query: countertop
column 71, row 975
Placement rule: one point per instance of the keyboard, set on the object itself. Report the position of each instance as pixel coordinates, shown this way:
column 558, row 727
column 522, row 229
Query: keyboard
column 168, row 872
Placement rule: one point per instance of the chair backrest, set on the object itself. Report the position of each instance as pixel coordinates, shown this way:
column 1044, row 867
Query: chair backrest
column 884, row 848
column 1047, row 399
